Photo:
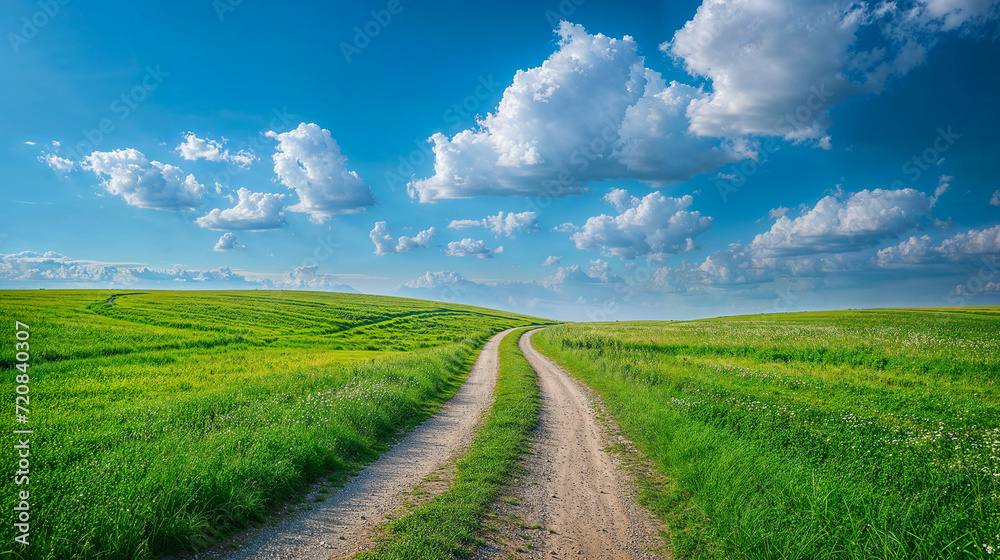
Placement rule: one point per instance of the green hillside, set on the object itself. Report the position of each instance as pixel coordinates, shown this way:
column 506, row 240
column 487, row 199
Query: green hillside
column 164, row 420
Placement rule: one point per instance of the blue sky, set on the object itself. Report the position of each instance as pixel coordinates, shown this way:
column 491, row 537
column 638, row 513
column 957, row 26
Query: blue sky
column 574, row 160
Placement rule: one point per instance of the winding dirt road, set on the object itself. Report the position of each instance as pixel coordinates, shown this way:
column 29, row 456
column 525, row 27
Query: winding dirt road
column 334, row 528
column 574, row 490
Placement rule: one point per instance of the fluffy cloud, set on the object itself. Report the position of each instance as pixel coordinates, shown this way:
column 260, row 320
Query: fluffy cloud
column 835, row 225
column 435, row 279
column 143, row 183
column 910, row 251
column 308, row 277
column 602, row 270
column 590, row 285
column 551, row 261
column 732, row 266
column 964, row 246
column 742, row 46
column 381, row 236
column 57, row 163
column 385, row 244
column 421, row 239
column 471, row 248
column 502, row 223
column 309, row 161
column 739, row 269
column 253, row 211
column 53, row 267
column 654, row 144
column 972, row 243
column 592, row 111
column 36, row 268
column 228, row 243
column 834, row 236
column 995, row 200
column 761, row 85
column 665, row 280
column 654, row 226
column 593, row 287
column 194, row 148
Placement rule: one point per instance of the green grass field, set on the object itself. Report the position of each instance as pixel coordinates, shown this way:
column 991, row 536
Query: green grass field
column 165, row 420
column 854, row 434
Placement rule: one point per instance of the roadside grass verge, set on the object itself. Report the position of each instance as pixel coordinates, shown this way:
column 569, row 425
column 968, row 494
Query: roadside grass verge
column 446, row 526
column 184, row 473
column 775, row 454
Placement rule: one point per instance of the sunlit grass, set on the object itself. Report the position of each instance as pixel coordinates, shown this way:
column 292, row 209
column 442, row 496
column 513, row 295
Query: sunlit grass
column 856, row 434
column 164, row 421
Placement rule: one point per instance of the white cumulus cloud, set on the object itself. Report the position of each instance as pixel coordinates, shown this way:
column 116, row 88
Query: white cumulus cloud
column 253, row 211
column 309, row 161
column 972, row 243
column 777, row 66
column 30, row 268
column 834, row 225
column 60, row 164
column 143, row 183
column 964, row 246
column 228, row 243
column 551, row 261
column 436, row 279
column 35, row 267
column 471, row 248
column 386, row 244
column 654, row 226
column 592, row 111
column 912, row 250
column 502, row 224
column 309, row 278
column 194, row 148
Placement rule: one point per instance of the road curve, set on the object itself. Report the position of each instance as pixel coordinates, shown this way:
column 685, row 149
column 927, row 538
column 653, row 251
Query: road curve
column 334, row 528
column 574, row 489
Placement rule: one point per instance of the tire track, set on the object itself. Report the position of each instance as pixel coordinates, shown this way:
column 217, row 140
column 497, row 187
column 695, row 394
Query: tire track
column 574, row 489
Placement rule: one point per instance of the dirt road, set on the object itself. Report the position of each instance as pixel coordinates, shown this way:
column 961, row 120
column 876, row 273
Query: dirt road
column 574, row 489
column 333, row 528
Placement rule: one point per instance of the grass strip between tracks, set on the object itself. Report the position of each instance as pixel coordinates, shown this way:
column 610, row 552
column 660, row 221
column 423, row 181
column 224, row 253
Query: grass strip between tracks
column 446, row 526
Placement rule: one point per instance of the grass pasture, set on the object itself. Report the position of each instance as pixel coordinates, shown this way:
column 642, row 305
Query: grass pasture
column 853, row 434
column 166, row 420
